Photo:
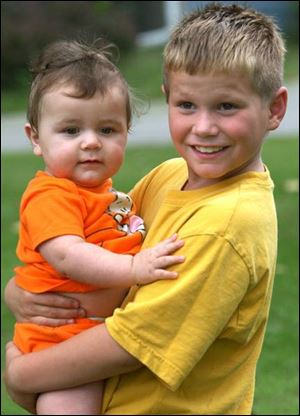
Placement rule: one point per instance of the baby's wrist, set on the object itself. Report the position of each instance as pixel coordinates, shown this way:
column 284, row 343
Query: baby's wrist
column 130, row 273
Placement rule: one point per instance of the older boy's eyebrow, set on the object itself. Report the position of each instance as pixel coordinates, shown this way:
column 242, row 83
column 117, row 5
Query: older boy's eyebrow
column 229, row 94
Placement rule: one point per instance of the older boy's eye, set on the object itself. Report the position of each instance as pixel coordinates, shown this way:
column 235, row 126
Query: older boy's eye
column 186, row 105
column 226, row 106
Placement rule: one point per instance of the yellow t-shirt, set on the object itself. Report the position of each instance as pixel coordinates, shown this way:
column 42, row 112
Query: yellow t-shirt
column 199, row 336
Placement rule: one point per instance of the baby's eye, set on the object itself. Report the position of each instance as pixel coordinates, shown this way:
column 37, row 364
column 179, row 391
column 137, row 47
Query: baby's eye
column 71, row 131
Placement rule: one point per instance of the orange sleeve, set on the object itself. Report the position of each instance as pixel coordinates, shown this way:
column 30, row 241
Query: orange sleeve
column 50, row 208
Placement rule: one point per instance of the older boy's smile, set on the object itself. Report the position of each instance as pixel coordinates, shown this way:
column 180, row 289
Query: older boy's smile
column 209, row 149
column 217, row 123
column 209, row 152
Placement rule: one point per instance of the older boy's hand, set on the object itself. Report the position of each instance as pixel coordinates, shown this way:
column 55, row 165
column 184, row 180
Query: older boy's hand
column 50, row 309
column 25, row 400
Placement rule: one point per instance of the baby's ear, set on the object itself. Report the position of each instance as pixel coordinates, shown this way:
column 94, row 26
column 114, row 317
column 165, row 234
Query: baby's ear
column 278, row 108
column 33, row 136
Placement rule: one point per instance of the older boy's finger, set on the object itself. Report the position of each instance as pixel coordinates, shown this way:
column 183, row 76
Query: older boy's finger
column 52, row 322
column 53, row 299
column 58, row 313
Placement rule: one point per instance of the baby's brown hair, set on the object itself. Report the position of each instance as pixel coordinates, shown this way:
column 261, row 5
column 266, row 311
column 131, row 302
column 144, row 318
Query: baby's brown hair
column 86, row 67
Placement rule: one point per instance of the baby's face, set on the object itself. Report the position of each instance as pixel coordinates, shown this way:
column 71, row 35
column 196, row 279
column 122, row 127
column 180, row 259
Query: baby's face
column 217, row 123
column 82, row 139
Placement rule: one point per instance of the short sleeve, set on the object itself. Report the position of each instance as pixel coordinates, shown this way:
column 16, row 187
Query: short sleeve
column 170, row 324
column 51, row 211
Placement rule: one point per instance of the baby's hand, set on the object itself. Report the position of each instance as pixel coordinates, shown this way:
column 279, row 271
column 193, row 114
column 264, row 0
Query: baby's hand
column 149, row 264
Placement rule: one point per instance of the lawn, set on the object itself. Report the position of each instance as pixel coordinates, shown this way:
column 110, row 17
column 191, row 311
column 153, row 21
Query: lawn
column 277, row 374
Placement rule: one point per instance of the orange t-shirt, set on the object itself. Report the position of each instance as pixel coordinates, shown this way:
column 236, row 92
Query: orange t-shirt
column 52, row 207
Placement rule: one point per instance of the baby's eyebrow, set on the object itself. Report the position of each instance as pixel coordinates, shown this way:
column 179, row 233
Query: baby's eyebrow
column 69, row 121
column 109, row 120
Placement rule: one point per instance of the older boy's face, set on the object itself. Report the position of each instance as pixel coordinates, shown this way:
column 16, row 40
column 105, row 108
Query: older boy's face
column 217, row 123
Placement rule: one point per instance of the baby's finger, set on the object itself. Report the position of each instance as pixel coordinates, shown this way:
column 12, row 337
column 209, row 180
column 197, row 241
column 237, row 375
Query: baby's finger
column 165, row 261
column 167, row 246
column 168, row 240
column 172, row 238
column 161, row 274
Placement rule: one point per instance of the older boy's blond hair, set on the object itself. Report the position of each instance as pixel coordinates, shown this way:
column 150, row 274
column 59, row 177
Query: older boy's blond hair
column 228, row 38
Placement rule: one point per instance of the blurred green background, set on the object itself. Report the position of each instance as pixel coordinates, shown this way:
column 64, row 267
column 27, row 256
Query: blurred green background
column 26, row 27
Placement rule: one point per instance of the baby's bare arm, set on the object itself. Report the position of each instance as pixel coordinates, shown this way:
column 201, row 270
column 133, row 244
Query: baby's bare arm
column 88, row 263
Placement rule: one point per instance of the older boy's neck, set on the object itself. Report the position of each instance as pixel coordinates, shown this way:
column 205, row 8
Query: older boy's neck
column 199, row 183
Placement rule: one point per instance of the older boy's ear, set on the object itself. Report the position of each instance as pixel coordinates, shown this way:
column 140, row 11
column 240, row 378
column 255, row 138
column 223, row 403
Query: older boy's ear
column 278, row 108
column 33, row 136
column 164, row 92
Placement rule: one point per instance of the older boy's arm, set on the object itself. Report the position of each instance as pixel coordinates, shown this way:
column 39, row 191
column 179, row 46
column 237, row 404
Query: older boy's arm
column 90, row 356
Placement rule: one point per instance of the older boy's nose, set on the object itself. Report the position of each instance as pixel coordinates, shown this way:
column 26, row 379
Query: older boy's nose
column 205, row 125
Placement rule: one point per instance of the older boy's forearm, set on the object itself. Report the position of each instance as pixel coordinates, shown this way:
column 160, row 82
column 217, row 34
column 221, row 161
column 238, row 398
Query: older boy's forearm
column 90, row 356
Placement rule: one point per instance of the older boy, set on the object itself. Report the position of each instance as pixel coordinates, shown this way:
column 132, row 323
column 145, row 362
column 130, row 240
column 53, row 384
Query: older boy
column 191, row 346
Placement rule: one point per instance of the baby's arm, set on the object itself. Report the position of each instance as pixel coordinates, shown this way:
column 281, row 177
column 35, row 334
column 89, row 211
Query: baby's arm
column 88, row 263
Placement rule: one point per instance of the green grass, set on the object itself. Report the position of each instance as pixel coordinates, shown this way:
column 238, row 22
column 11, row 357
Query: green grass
column 277, row 374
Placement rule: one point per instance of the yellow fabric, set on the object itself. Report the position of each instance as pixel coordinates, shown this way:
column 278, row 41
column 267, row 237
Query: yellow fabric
column 199, row 336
